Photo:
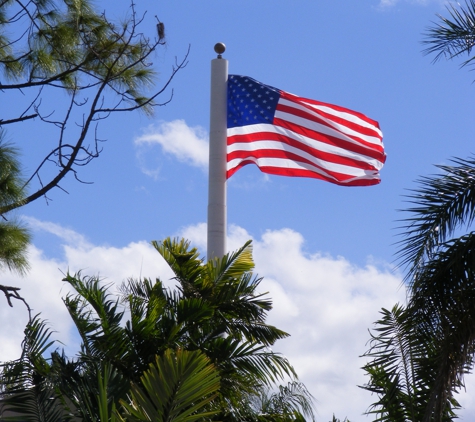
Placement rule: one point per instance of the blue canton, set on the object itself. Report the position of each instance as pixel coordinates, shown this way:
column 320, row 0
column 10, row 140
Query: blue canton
column 250, row 102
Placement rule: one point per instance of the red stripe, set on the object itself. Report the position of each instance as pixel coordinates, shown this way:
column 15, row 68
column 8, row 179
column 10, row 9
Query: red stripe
column 301, row 101
column 368, row 150
column 312, row 118
column 279, row 171
column 323, row 156
column 278, row 153
column 319, row 116
column 272, row 136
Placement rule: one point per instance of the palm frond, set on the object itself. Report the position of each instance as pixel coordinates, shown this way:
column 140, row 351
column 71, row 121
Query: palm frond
column 98, row 319
column 28, row 393
column 183, row 261
column 444, row 298
column 455, row 35
column 443, row 204
column 292, row 399
column 232, row 265
column 95, row 395
column 404, row 366
column 177, row 387
column 254, row 360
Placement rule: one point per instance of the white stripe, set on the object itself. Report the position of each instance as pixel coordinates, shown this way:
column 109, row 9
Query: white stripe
column 288, row 164
column 317, row 164
column 346, row 116
column 275, row 145
column 312, row 143
column 339, row 132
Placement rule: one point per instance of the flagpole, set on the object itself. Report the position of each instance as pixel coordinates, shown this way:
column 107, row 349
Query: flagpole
column 217, row 156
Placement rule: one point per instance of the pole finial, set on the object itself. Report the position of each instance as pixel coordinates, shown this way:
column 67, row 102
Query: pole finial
column 220, row 48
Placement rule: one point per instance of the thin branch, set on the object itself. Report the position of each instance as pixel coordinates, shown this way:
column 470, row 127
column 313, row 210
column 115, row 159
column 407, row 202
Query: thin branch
column 10, row 293
column 18, row 119
column 118, row 61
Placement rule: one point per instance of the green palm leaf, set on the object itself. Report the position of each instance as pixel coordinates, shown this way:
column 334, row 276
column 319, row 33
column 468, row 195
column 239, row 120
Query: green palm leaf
column 96, row 393
column 442, row 205
column 27, row 391
column 442, row 277
column 455, row 35
column 183, row 261
column 444, row 298
column 176, row 388
column 231, row 266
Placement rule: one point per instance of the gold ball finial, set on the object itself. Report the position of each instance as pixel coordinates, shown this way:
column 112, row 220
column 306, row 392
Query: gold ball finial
column 219, row 48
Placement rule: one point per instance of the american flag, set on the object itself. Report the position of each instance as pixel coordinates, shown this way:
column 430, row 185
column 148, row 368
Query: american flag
column 288, row 135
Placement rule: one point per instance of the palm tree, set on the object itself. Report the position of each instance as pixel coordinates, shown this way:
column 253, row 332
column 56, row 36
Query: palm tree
column 441, row 260
column 402, row 369
column 422, row 352
column 215, row 309
column 214, row 321
column 175, row 388
column 334, row 419
column 439, row 247
column 26, row 386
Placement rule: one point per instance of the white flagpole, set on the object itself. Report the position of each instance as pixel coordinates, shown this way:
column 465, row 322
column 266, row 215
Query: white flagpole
column 217, row 156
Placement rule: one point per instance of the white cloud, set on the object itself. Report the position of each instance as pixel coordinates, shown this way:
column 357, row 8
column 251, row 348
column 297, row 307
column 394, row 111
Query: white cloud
column 67, row 235
column 387, row 3
column 43, row 288
column 327, row 304
column 384, row 4
column 187, row 144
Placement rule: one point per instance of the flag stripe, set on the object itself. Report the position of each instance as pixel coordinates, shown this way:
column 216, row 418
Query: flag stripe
column 339, row 113
column 323, row 136
column 275, row 166
column 293, row 136
column 292, row 160
column 251, row 138
column 335, row 126
column 289, row 159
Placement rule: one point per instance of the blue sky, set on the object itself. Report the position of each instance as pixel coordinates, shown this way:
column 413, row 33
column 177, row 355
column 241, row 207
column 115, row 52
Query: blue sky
column 326, row 252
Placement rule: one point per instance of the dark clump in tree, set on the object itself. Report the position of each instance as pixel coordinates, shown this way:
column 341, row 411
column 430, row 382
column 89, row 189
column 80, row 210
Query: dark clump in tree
column 14, row 237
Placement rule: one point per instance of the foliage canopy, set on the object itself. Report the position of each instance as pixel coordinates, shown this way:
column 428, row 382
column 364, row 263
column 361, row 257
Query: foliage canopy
column 198, row 351
column 67, row 67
